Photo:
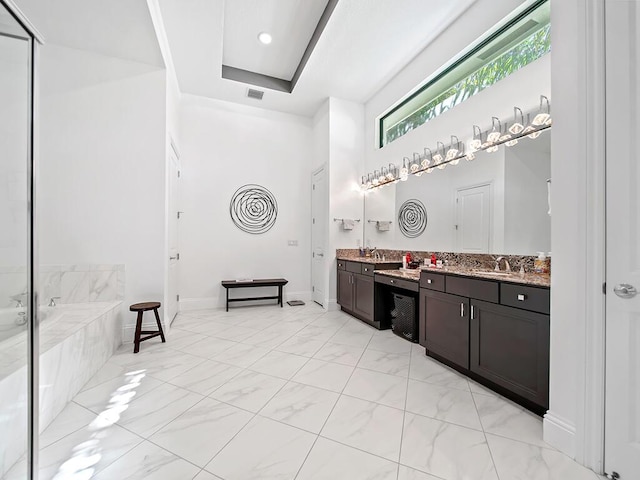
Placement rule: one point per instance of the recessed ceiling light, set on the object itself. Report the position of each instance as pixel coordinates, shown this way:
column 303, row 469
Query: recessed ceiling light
column 264, row 38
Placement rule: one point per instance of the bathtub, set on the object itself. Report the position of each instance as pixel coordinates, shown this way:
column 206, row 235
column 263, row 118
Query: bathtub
column 75, row 342
column 13, row 325
column 10, row 323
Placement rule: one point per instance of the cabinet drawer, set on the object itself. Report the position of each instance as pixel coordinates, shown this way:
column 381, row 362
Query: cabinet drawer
column 432, row 281
column 398, row 282
column 367, row 269
column 353, row 267
column 527, row 298
column 473, row 288
column 342, row 265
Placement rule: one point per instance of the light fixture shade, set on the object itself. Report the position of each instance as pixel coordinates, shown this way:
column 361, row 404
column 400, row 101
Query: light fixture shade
column 470, row 156
column 493, row 137
column 414, row 167
column 511, row 142
column 425, row 163
column 541, row 119
column 437, row 158
column 492, row 149
column 516, row 128
column 504, row 138
column 534, row 134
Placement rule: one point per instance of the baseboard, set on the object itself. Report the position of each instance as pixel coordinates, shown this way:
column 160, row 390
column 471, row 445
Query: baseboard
column 559, row 433
column 191, row 304
column 333, row 306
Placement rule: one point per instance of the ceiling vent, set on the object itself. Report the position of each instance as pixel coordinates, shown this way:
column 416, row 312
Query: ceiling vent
column 257, row 94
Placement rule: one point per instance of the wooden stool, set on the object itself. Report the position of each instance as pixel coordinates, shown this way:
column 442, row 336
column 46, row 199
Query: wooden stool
column 141, row 308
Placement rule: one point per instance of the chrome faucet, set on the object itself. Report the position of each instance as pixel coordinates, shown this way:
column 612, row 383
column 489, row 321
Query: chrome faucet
column 18, row 299
column 52, row 302
column 376, row 255
column 507, row 267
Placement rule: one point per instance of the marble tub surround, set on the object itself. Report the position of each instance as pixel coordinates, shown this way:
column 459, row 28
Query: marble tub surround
column 471, row 261
column 75, row 342
column 72, row 283
column 337, row 411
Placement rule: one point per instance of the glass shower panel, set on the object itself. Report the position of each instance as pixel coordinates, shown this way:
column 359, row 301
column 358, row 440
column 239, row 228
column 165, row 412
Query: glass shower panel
column 15, row 171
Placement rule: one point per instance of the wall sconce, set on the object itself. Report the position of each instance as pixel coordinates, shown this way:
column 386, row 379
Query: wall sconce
column 544, row 115
column 404, row 171
column 518, row 122
column 454, row 148
column 494, row 134
column 477, row 139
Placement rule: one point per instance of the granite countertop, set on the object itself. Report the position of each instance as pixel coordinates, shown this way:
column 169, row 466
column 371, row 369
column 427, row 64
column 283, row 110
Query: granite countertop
column 367, row 260
column 533, row 279
column 412, row 275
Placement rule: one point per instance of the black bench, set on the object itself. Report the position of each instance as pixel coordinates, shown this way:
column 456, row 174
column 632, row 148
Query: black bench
column 263, row 282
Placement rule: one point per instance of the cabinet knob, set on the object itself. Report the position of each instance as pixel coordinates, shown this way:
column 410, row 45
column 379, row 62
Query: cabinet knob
column 521, row 297
column 429, row 280
column 366, row 269
column 391, row 281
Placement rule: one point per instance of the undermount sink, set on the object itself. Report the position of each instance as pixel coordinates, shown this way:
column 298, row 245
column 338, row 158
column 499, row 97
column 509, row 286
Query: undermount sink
column 493, row 273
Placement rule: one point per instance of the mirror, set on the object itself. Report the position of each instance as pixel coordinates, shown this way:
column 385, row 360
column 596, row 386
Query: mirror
column 497, row 203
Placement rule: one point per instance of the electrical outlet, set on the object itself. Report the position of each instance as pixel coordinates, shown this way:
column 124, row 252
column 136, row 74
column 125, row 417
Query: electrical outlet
column 293, row 243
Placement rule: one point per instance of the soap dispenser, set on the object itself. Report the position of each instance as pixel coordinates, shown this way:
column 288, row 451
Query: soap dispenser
column 540, row 264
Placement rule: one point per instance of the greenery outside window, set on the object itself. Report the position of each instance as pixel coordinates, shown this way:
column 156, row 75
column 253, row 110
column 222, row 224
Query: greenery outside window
column 519, row 41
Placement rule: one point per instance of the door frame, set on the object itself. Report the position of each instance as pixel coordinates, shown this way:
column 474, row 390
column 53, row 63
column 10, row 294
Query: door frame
column 321, row 168
column 584, row 439
column 170, row 146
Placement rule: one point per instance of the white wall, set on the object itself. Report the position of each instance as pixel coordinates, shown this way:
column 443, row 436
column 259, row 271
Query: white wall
column 570, row 293
column 102, row 167
column 346, row 161
column 223, row 147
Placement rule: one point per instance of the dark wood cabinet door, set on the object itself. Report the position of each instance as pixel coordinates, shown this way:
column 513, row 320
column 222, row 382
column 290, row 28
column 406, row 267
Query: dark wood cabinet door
column 510, row 347
column 363, row 300
column 345, row 289
column 446, row 326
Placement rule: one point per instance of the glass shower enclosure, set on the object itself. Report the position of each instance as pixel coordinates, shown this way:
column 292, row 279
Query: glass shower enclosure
column 18, row 275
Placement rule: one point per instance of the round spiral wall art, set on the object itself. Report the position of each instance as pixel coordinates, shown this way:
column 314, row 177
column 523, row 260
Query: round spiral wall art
column 412, row 218
column 253, row 209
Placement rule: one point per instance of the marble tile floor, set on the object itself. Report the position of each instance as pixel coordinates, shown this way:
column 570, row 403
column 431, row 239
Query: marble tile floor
column 293, row 393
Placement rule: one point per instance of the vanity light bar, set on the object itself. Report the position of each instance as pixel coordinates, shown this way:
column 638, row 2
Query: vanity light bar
column 489, row 141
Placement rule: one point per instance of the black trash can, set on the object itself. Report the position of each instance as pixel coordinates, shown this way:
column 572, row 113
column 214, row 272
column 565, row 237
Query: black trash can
column 404, row 321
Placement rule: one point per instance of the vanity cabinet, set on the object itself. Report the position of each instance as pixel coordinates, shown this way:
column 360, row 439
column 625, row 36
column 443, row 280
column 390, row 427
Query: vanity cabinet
column 496, row 332
column 510, row 347
column 444, row 326
column 356, row 288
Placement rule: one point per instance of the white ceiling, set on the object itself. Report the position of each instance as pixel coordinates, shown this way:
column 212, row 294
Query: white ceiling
column 117, row 28
column 365, row 43
column 291, row 23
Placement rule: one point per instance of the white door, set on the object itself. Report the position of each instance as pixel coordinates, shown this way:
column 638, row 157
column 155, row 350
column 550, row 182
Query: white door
column 622, row 415
column 473, row 214
column 174, row 255
column 318, row 236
